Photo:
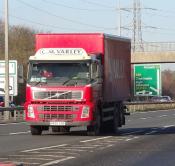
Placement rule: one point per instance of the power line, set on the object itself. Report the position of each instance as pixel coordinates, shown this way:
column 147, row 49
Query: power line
column 75, row 8
column 45, row 25
column 41, row 24
column 97, row 4
column 62, row 18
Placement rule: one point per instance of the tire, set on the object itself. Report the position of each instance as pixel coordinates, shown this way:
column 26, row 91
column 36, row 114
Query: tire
column 95, row 130
column 115, row 122
column 36, row 130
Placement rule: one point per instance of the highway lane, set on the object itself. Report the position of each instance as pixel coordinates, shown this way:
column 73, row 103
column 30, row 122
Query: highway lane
column 147, row 139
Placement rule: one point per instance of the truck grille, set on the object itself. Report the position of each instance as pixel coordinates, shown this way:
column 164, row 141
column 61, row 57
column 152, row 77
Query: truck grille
column 58, row 108
column 47, row 113
column 50, row 95
column 49, row 117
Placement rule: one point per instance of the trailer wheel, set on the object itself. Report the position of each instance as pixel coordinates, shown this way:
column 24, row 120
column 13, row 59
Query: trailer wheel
column 95, row 129
column 36, row 130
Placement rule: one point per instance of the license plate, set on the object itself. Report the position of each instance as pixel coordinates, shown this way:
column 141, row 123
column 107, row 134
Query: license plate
column 57, row 123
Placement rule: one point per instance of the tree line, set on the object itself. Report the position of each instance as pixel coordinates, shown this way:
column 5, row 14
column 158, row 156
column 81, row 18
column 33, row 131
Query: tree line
column 21, row 46
column 168, row 83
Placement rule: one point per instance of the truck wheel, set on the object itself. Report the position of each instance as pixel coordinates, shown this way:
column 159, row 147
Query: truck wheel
column 122, row 116
column 36, row 130
column 95, row 129
column 115, row 123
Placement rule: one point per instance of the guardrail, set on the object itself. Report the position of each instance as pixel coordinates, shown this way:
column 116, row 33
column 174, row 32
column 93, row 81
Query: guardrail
column 149, row 106
column 16, row 114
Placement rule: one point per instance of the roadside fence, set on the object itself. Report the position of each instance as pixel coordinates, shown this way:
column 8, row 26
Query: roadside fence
column 16, row 114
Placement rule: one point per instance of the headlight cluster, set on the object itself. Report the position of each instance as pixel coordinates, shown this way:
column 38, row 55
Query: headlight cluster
column 85, row 112
column 30, row 112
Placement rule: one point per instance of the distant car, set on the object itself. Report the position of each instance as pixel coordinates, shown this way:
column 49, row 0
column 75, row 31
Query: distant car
column 161, row 99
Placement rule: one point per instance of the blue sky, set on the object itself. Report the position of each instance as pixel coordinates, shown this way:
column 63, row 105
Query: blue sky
column 93, row 16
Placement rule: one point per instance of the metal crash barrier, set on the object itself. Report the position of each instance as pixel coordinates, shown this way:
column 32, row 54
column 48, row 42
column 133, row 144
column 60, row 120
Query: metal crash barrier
column 11, row 114
column 149, row 106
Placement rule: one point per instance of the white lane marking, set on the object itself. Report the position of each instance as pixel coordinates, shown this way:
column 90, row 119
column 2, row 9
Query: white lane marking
column 168, row 126
column 57, row 161
column 83, row 147
column 51, row 152
column 14, row 123
column 35, row 158
column 149, row 117
column 129, row 139
column 40, row 155
column 71, row 149
column 17, row 133
column 151, row 132
column 133, row 132
column 3, row 124
column 162, row 116
column 143, row 118
column 3, row 158
column 152, row 111
column 96, row 139
column 48, row 147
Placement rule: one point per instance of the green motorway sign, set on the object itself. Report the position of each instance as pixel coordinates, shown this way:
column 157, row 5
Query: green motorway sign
column 147, row 80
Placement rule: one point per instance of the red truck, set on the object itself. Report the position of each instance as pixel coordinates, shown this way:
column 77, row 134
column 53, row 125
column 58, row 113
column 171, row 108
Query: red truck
column 89, row 76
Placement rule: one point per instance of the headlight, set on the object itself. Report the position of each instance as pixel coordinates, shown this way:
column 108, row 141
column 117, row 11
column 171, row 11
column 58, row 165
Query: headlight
column 85, row 112
column 30, row 112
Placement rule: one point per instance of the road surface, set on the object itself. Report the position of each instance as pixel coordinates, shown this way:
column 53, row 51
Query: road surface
column 148, row 139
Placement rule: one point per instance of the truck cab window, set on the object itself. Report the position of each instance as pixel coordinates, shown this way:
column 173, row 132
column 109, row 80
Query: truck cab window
column 60, row 73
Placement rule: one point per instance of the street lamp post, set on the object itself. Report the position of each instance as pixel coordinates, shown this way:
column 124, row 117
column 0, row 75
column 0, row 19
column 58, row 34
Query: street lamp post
column 6, row 115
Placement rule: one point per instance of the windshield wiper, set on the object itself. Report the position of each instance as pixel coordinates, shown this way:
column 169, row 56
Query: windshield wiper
column 57, row 95
column 75, row 79
column 39, row 82
column 65, row 82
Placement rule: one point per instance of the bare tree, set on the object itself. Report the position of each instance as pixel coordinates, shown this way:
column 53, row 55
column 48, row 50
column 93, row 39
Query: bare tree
column 168, row 82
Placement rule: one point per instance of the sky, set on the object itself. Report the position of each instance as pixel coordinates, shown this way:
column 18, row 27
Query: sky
column 64, row 16
column 69, row 16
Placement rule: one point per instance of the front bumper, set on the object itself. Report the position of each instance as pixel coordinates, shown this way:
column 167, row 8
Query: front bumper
column 71, row 124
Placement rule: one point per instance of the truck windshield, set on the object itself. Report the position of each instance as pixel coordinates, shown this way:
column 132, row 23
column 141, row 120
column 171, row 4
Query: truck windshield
column 67, row 74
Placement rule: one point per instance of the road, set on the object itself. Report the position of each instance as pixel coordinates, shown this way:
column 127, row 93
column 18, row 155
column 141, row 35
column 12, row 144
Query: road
column 147, row 139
